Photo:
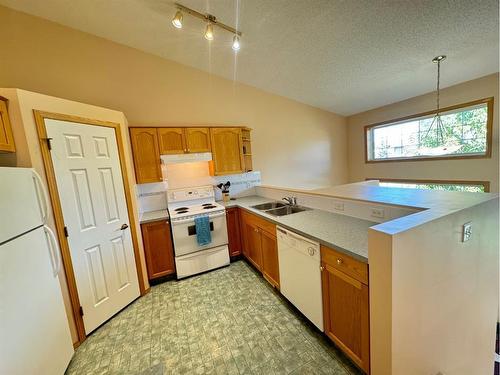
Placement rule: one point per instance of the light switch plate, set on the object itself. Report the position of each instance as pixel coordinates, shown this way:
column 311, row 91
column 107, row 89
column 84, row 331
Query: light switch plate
column 467, row 231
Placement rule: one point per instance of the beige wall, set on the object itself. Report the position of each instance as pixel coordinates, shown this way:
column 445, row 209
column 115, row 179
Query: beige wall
column 472, row 169
column 294, row 144
column 21, row 106
column 434, row 298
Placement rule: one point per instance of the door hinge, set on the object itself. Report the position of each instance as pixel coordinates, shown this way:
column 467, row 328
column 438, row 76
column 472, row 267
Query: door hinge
column 66, row 232
column 81, row 311
column 49, row 144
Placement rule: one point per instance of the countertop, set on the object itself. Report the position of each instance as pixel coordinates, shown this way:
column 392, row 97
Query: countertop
column 432, row 204
column 146, row 217
column 344, row 233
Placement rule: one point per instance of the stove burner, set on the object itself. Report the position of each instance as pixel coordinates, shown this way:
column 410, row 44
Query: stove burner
column 208, row 207
column 181, row 212
column 181, row 209
column 206, row 204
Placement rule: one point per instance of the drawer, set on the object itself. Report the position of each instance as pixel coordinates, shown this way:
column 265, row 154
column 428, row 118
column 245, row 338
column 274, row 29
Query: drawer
column 263, row 224
column 345, row 263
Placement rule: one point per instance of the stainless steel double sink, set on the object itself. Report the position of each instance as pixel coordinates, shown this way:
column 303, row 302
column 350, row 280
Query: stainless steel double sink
column 279, row 209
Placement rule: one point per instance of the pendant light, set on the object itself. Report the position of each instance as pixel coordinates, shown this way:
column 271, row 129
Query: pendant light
column 437, row 123
column 209, row 32
column 177, row 20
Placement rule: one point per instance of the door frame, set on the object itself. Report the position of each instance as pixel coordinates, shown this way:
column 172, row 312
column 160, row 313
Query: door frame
column 40, row 117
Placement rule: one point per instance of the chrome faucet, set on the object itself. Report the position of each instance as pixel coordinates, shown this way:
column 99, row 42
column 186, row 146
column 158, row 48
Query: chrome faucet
column 292, row 201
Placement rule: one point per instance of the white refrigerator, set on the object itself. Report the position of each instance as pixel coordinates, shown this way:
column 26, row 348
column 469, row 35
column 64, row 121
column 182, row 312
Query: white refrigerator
column 34, row 331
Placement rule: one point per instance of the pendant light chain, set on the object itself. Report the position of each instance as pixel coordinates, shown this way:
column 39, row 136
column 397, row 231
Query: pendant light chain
column 436, row 121
column 438, row 79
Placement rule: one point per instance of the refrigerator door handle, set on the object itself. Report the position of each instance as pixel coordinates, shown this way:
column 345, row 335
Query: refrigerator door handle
column 54, row 251
column 44, row 205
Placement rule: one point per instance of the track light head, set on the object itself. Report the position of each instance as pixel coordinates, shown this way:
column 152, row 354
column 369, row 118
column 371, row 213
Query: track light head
column 236, row 43
column 177, row 20
column 209, row 32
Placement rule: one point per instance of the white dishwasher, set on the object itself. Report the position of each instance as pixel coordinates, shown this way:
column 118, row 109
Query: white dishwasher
column 300, row 274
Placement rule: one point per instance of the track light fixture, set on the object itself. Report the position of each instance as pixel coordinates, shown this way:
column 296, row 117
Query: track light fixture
column 177, row 21
column 211, row 22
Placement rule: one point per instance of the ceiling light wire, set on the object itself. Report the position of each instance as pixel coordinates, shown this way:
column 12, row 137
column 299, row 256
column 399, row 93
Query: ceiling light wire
column 437, row 121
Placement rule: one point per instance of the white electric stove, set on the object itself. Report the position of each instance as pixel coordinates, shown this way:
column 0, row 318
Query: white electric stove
column 184, row 205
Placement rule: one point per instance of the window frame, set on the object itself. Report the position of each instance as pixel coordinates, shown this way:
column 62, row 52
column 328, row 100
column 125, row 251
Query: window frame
column 485, row 184
column 489, row 134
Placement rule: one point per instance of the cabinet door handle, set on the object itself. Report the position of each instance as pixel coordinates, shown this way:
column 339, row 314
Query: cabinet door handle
column 321, row 268
column 340, row 261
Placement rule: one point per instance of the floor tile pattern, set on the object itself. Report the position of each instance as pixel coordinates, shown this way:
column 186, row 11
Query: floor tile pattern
column 229, row 321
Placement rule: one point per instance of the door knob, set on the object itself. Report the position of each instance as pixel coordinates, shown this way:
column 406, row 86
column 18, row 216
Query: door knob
column 124, row 226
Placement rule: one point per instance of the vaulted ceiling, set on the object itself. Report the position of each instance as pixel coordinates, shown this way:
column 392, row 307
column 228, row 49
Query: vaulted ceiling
column 342, row 56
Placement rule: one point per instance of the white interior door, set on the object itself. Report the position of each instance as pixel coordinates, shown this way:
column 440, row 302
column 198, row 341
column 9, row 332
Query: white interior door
column 89, row 180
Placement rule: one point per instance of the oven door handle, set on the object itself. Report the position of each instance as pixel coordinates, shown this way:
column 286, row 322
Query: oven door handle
column 183, row 221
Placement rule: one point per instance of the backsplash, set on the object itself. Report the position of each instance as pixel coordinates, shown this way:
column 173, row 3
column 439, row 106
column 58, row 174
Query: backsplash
column 242, row 185
column 152, row 197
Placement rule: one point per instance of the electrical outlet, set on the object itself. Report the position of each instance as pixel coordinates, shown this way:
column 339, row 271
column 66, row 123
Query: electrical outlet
column 467, row 231
column 339, row 206
column 378, row 212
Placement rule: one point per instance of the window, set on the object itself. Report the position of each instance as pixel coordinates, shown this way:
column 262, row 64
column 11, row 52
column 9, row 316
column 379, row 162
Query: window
column 466, row 134
column 464, row 186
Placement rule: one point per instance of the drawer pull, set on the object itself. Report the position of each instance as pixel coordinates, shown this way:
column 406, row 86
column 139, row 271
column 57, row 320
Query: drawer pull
column 339, row 261
column 311, row 251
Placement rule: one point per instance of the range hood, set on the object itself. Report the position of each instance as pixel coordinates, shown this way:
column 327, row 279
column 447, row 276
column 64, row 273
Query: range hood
column 186, row 158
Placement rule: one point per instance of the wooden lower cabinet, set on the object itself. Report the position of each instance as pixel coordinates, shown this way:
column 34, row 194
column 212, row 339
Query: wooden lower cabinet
column 346, row 308
column 270, row 265
column 260, row 245
column 158, row 248
column 233, row 231
column 252, row 243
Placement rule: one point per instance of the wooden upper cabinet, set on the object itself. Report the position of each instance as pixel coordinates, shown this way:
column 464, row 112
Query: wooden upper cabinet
column 227, row 150
column 171, row 141
column 233, row 231
column 146, row 155
column 6, row 137
column 158, row 249
column 197, row 139
column 346, row 306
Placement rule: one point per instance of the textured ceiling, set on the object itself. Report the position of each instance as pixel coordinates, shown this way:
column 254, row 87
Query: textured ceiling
column 343, row 56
